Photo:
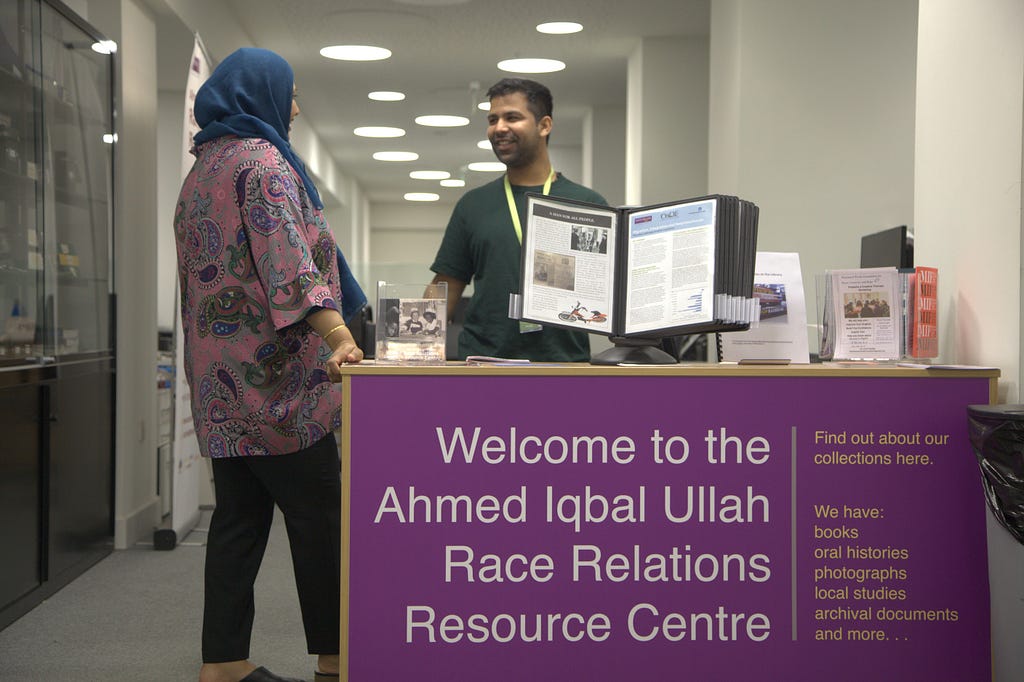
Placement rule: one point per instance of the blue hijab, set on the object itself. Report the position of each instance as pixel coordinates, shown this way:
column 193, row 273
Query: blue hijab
column 249, row 94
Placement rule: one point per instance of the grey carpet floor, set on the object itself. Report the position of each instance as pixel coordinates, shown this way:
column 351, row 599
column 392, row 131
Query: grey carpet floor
column 136, row 616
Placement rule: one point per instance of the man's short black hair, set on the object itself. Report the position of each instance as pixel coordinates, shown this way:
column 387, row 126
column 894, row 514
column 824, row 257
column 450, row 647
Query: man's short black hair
column 538, row 97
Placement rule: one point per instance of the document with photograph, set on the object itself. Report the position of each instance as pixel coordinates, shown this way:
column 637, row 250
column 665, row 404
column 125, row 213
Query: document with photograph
column 866, row 312
column 569, row 274
column 781, row 330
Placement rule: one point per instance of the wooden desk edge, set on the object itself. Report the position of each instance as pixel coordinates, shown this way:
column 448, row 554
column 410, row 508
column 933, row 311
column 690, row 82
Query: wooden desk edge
column 345, row 445
column 694, row 369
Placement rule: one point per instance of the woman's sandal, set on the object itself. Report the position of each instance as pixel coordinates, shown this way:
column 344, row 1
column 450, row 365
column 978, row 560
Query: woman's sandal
column 325, row 677
column 261, row 674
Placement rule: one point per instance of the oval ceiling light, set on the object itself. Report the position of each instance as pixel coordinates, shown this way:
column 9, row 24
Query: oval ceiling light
column 487, row 166
column 396, row 156
column 453, row 182
column 386, row 96
column 560, row 27
column 355, row 53
column 484, row 106
column 378, row 131
column 484, row 144
column 442, row 121
column 422, row 196
column 528, row 65
column 104, row 47
column 430, row 175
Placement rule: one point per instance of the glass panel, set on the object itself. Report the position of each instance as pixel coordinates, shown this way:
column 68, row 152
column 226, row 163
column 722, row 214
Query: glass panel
column 77, row 156
column 21, row 244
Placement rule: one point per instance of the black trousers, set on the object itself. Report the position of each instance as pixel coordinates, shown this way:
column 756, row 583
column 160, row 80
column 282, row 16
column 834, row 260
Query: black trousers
column 306, row 485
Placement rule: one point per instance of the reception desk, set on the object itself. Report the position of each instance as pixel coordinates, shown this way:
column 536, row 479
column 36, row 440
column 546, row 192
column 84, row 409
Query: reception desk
column 706, row 522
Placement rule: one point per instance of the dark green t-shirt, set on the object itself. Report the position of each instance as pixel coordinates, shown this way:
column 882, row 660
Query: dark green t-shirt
column 480, row 246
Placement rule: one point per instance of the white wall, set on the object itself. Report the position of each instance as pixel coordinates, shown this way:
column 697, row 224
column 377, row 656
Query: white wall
column 604, row 153
column 404, row 241
column 170, row 113
column 823, row 145
column 667, row 120
column 968, row 200
column 968, row 189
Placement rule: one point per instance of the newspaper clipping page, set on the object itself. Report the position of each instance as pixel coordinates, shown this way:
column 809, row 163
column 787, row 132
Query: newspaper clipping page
column 671, row 266
column 570, row 257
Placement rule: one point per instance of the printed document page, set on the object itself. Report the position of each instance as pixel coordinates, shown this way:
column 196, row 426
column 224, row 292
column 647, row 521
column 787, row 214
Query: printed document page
column 781, row 330
column 569, row 265
column 671, row 266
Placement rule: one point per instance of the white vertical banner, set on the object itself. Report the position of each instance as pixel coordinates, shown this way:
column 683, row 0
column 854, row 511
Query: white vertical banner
column 188, row 464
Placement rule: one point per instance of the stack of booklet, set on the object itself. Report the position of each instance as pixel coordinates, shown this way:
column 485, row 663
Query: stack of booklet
column 675, row 268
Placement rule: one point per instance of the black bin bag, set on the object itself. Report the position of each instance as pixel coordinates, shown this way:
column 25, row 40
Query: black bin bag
column 997, row 437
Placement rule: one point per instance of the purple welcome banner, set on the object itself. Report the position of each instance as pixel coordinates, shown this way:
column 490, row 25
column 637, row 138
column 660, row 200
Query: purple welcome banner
column 664, row 528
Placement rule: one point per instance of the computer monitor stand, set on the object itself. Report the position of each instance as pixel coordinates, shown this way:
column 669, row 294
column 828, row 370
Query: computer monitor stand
column 634, row 351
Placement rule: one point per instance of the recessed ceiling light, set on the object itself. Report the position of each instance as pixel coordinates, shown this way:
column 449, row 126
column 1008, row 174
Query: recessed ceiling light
column 378, row 131
column 396, row 156
column 355, row 53
column 560, row 27
column 531, row 65
column 484, row 144
column 487, row 166
column 422, row 196
column 110, row 138
column 442, row 121
column 453, row 182
column 386, row 96
column 104, row 47
column 484, row 106
column 430, row 175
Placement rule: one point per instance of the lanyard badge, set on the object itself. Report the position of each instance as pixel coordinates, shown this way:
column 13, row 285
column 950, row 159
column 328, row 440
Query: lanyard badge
column 524, row 327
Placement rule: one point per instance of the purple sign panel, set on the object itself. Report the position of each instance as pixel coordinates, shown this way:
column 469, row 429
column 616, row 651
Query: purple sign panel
column 666, row 528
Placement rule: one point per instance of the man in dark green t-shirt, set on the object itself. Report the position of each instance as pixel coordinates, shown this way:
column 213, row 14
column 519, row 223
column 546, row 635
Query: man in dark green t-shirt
column 482, row 241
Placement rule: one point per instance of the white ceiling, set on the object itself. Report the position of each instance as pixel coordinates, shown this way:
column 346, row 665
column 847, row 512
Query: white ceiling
column 444, row 58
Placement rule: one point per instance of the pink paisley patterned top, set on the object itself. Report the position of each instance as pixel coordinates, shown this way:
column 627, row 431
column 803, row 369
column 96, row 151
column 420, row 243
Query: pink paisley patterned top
column 254, row 258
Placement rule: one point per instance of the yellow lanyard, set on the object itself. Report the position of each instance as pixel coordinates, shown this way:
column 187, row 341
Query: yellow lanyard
column 512, row 202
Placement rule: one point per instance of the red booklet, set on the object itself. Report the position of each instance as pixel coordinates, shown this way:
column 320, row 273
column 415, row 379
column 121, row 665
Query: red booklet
column 924, row 322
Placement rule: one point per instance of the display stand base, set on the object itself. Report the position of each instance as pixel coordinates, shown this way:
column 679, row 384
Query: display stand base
column 633, row 352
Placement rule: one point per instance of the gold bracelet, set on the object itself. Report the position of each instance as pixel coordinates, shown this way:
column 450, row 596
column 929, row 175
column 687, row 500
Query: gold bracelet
column 328, row 334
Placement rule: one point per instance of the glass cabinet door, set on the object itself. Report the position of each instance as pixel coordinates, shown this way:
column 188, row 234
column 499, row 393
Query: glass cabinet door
column 22, row 315
column 77, row 143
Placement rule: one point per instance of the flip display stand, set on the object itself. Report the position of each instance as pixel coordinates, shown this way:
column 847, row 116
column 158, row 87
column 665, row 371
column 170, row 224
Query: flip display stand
column 633, row 351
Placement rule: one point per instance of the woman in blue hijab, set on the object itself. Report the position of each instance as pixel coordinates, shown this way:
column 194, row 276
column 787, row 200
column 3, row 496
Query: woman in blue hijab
column 264, row 338
column 252, row 96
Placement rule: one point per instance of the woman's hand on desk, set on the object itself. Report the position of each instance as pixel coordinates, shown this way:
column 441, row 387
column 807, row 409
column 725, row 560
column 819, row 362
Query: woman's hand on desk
column 345, row 353
column 327, row 323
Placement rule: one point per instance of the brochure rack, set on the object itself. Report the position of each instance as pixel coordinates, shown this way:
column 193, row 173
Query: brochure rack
column 638, row 274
